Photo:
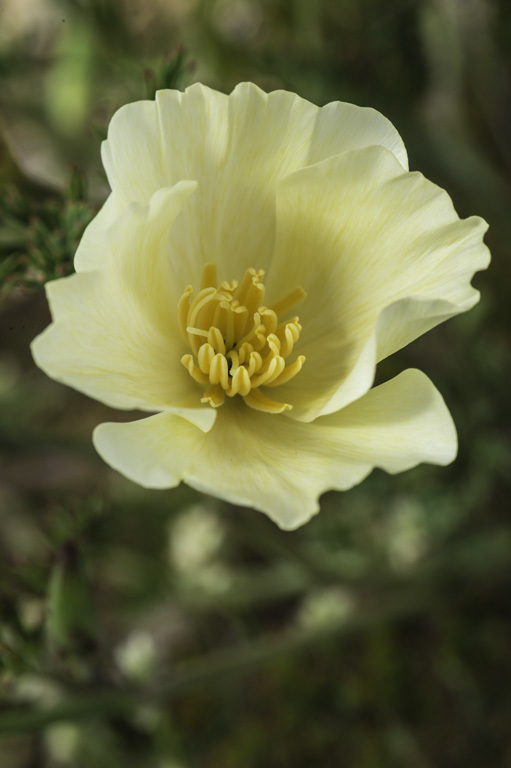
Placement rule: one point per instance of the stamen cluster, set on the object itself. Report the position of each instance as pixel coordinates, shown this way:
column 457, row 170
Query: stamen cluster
column 237, row 343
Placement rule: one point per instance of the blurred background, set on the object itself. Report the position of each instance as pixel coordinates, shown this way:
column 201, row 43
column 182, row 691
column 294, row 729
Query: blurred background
column 166, row 629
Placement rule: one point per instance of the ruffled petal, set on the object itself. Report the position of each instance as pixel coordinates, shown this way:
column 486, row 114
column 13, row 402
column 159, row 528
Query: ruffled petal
column 397, row 425
column 247, row 459
column 379, row 252
column 281, row 466
column 153, row 452
column 91, row 251
column 342, row 127
column 135, row 153
column 114, row 334
column 238, row 148
column 201, row 133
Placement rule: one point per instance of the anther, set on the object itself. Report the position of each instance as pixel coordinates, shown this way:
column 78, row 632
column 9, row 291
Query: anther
column 205, row 356
column 237, row 343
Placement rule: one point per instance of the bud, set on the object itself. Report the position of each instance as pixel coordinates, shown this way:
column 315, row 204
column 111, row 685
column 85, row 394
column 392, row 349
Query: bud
column 69, row 622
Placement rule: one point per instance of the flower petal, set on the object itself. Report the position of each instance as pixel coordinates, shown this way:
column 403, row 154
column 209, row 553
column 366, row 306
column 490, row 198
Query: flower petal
column 361, row 236
column 115, row 334
column 91, row 250
column 281, row 466
column 153, row 452
column 243, row 460
column 446, row 291
column 202, row 132
column 134, row 154
column 237, row 147
column 397, row 425
column 342, row 127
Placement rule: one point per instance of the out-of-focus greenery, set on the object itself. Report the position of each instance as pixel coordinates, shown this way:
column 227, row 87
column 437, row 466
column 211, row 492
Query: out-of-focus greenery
column 164, row 629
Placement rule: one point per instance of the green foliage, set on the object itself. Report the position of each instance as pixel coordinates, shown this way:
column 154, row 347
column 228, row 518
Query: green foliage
column 38, row 238
column 171, row 72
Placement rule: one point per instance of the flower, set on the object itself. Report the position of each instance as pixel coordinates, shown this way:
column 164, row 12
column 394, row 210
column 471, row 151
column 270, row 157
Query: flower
column 256, row 258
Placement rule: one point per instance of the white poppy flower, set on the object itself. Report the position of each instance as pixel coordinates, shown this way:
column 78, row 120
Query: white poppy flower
column 256, row 258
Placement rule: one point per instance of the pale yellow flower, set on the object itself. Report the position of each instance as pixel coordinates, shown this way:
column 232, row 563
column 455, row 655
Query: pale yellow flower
column 257, row 257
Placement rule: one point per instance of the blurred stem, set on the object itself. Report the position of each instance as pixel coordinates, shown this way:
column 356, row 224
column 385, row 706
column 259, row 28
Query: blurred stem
column 217, row 666
column 415, row 593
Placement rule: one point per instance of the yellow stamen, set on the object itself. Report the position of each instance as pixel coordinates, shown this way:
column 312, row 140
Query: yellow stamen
column 288, row 373
column 291, row 335
column 216, row 340
column 241, row 383
column 219, row 371
column 273, row 343
column 248, row 280
column 237, row 343
column 183, row 309
column 286, row 303
column 235, row 360
column 269, row 319
column 214, row 396
column 197, row 332
column 192, row 369
column 229, row 287
column 255, row 399
column 254, row 364
column 274, row 369
column 205, row 357
column 208, row 277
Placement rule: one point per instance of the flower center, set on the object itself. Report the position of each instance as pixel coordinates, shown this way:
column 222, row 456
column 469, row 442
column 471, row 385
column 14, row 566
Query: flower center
column 237, row 343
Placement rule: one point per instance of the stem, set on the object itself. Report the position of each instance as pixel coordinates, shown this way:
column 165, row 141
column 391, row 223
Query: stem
column 218, row 665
